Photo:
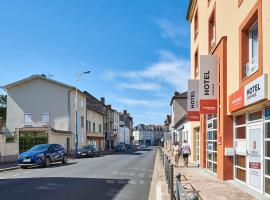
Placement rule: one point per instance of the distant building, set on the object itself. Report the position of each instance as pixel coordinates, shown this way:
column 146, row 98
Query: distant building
column 126, row 127
column 148, row 134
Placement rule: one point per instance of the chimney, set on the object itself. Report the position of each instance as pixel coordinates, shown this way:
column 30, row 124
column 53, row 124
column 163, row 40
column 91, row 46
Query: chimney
column 176, row 93
column 102, row 99
column 125, row 112
column 110, row 106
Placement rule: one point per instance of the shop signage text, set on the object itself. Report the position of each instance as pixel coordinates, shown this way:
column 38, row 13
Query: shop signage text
column 251, row 93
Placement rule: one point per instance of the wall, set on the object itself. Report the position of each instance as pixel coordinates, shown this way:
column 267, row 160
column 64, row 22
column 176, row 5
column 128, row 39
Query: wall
column 36, row 97
column 8, row 151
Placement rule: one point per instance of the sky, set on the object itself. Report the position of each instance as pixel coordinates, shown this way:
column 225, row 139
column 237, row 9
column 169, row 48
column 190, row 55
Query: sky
column 137, row 50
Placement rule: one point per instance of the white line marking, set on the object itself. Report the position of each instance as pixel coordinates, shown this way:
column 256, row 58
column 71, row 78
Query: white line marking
column 16, row 174
column 158, row 191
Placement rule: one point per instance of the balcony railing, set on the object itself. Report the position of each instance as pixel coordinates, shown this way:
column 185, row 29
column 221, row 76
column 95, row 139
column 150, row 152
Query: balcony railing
column 251, row 67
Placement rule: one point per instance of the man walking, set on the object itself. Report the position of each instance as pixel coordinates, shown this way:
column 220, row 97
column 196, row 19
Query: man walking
column 185, row 150
column 176, row 153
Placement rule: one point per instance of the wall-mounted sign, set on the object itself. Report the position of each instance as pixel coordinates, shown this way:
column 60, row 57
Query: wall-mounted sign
column 229, row 151
column 193, row 105
column 208, row 84
column 251, row 93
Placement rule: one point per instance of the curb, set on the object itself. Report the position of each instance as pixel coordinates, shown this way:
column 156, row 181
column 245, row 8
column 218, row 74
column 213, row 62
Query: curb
column 9, row 168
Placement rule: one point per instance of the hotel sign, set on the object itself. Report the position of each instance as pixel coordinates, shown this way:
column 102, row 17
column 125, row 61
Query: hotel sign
column 253, row 92
column 208, row 84
column 193, row 106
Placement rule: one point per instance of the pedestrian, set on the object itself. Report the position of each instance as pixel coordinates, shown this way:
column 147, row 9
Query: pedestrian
column 185, row 150
column 176, row 153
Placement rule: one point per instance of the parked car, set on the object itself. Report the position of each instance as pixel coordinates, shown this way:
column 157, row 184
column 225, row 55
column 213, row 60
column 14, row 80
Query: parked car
column 88, row 151
column 43, row 155
column 120, row 148
column 130, row 147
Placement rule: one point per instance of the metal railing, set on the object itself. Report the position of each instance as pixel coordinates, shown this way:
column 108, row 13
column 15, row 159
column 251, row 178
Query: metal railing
column 180, row 192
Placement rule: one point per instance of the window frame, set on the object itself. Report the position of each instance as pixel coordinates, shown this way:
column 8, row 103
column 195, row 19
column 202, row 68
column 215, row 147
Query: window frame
column 30, row 123
column 47, row 123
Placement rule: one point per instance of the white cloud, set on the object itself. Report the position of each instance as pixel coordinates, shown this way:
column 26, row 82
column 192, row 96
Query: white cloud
column 174, row 32
column 140, row 86
column 142, row 102
column 169, row 70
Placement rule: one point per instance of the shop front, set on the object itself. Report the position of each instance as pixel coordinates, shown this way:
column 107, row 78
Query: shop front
column 251, row 113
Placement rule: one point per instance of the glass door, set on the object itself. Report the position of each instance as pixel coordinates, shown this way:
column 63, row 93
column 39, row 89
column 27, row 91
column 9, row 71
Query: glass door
column 255, row 156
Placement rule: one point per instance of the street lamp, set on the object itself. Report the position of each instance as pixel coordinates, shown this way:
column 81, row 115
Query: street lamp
column 78, row 76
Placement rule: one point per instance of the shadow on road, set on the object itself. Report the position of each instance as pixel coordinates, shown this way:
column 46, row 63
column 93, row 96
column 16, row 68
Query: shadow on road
column 61, row 188
column 54, row 165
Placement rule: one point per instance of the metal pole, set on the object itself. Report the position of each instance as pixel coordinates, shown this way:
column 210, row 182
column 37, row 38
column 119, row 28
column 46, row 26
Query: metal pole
column 171, row 182
column 178, row 185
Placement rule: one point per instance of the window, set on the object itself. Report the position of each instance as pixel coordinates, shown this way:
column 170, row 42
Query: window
column 196, row 64
column 28, row 119
column 267, row 151
column 45, row 119
column 100, row 128
column 94, row 127
column 211, row 143
column 89, row 126
column 82, row 103
column 251, row 45
column 82, row 122
column 212, row 30
column 196, row 25
column 255, row 116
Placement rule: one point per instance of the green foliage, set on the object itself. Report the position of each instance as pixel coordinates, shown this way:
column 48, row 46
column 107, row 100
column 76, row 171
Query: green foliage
column 3, row 100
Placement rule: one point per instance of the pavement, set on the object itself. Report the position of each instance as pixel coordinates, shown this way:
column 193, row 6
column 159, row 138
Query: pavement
column 117, row 176
column 207, row 185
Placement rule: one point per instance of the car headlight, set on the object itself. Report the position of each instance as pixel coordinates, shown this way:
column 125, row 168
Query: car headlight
column 79, row 152
column 40, row 155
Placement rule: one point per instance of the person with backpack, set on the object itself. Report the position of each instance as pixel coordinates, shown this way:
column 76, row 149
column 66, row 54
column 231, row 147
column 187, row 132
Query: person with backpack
column 185, row 150
column 176, row 153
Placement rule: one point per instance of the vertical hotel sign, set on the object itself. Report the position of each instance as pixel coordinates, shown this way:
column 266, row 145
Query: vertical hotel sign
column 208, row 84
column 193, row 101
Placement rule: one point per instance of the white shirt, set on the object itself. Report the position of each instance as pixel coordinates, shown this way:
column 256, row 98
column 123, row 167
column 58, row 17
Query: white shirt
column 185, row 148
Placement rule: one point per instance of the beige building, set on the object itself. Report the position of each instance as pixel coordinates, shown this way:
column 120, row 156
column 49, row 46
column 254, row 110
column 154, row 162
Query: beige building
column 235, row 142
column 42, row 110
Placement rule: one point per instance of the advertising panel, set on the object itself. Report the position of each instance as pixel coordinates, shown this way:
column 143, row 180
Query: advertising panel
column 208, row 84
column 193, row 106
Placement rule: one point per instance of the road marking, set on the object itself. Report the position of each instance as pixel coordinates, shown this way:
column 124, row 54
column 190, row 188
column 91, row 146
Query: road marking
column 158, row 191
column 132, row 182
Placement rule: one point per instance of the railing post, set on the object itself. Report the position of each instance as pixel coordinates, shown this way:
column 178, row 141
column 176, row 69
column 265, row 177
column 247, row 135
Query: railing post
column 194, row 197
column 171, row 182
column 169, row 176
column 178, row 186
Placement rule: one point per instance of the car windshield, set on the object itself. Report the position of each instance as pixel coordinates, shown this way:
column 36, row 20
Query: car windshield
column 41, row 147
column 87, row 147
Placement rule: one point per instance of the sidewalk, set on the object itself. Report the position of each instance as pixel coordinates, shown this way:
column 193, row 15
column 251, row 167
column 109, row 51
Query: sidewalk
column 7, row 166
column 207, row 185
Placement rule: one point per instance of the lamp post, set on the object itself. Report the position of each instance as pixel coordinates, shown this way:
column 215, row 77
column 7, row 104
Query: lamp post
column 76, row 110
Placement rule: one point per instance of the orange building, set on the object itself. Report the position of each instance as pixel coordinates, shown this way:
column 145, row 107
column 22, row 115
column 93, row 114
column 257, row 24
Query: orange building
column 235, row 142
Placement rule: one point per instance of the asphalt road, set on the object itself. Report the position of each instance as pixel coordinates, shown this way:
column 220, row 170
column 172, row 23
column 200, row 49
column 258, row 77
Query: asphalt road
column 122, row 176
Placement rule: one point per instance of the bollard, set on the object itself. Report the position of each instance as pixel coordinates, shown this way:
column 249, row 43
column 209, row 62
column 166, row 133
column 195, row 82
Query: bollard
column 163, row 157
column 171, row 182
column 194, row 197
column 169, row 176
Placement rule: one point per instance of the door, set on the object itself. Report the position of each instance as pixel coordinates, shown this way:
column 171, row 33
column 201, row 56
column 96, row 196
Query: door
column 68, row 145
column 255, row 156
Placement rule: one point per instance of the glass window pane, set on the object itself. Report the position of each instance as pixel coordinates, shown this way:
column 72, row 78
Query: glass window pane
column 240, row 133
column 267, row 113
column 241, row 174
column 255, row 116
column 214, row 135
column 267, row 130
column 215, row 146
column 267, row 185
column 215, row 157
column 215, row 124
column 240, row 160
column 240, row 119
column 267, row 148
column 267, row 167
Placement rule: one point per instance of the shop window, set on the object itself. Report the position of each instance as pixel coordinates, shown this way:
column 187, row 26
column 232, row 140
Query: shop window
column 267, row 114
column 240, row 167
column 267, row 185
column 196, row 25
column 267, row 130
column 240, row 161
column 267, row 149
column 212, row 30
column 241, row 174
column 250, row 45
column 255, row 116
column 240, row 132
column 211, row 143
column 196, row 64
column 240, row 119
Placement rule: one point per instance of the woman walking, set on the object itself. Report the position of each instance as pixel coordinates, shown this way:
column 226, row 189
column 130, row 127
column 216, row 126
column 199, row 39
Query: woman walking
column 176, row 153
column 185, row 150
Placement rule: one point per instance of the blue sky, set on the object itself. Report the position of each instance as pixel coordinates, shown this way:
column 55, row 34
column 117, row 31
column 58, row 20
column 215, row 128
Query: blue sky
column 137, row 50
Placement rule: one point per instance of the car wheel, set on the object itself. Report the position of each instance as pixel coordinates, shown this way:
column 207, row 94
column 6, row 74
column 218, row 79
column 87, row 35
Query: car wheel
column 47, row 162
column 65, row 160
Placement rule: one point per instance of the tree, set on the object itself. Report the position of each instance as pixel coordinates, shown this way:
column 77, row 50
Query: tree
column 3, row 105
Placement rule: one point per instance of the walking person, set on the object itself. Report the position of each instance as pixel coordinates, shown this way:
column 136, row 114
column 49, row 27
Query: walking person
column 176, row 153
column 185, row 150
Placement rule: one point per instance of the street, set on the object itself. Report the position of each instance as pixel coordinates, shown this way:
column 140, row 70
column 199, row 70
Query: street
column 116, row 176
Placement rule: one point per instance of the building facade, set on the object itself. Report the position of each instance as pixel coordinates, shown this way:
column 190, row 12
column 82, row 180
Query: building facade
column 234, row 142
column 126, row 122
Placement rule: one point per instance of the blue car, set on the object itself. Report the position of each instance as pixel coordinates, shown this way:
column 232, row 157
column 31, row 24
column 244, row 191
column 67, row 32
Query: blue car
column 42, row 155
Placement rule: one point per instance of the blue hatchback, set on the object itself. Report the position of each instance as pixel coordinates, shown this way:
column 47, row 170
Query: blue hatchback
column 43, row 155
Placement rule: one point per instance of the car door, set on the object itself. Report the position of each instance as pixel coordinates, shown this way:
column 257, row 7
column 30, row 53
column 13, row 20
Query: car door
column 52, row 152
column 58, row 152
